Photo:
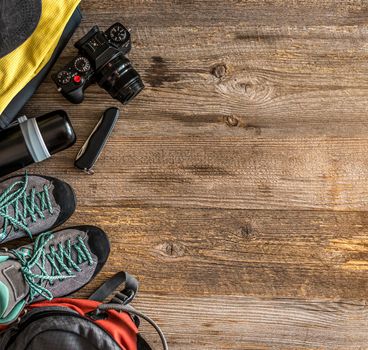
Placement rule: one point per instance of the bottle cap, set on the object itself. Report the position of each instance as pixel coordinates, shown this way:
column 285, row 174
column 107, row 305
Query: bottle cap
column 33, row 139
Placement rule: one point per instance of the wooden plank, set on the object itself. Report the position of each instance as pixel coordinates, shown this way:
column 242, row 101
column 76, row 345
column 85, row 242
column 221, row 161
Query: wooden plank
column 196, row 252
column 227, row 173
column 277, row 13
column 240, row 323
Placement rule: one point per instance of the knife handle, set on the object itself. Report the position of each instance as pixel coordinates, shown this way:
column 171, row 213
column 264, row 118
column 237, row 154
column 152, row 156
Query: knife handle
column 92, row 148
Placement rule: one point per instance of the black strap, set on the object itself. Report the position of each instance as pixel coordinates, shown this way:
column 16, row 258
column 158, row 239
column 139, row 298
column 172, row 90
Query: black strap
column 112, row 284
column 142, row 343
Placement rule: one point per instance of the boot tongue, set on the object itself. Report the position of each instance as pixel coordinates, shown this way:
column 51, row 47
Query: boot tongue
column 13, row 288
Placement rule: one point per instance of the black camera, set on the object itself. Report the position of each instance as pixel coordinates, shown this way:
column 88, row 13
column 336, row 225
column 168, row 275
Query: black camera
column 101, row 59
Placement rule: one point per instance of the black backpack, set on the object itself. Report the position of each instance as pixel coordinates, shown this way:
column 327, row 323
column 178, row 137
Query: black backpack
column 82, row 324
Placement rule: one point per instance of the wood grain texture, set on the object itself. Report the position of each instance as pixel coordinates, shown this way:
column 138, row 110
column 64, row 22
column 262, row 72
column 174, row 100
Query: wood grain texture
column 235, row 186
column 235, row 114
column 306, row 254
column 224, row 173
column 238, row 323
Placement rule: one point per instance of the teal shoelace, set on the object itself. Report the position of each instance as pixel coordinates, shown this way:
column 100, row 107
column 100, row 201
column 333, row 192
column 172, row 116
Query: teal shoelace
column 60, row 259
column 24, row 206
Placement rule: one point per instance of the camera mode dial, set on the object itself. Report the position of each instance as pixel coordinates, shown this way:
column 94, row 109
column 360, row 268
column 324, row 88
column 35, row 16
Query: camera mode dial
column 64, row 77
column 118, row 34
column 82, row 65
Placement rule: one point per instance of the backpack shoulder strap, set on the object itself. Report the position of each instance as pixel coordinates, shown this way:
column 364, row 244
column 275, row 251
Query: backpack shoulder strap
column 113, row 283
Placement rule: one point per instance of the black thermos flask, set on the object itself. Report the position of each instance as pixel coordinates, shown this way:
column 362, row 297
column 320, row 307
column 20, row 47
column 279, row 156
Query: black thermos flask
column 34, row 140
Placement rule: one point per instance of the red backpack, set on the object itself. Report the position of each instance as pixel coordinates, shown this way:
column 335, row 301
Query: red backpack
column 81, row 324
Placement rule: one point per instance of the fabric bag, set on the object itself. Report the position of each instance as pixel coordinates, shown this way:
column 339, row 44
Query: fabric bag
column 79, row 324
column 32, row 35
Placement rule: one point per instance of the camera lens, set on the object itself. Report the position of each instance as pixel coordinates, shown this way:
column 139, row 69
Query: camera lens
column 120, row 79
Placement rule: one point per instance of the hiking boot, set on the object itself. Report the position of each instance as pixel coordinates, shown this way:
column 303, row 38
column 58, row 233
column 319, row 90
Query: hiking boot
column 55, row 265
column 32, row 204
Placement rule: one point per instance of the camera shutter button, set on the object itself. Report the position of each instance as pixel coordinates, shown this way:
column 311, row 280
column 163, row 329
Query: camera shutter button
column 77, row 79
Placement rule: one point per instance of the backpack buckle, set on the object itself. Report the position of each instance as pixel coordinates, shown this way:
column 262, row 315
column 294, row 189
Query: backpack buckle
column 124, row 297
column 97, row 315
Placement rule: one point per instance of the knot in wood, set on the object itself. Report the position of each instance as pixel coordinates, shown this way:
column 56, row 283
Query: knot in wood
column 173, row 249
column 231, row 120
column 219, row 70
column 247, row 232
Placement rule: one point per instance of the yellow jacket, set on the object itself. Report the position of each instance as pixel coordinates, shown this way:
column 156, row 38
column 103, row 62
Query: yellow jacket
column 24, row 63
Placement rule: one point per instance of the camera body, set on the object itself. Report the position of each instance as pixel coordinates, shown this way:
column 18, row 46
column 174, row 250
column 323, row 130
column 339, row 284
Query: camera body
column 101, row 59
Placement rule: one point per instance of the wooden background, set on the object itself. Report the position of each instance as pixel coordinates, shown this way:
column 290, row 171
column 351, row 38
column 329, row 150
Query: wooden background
column 235, row 187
